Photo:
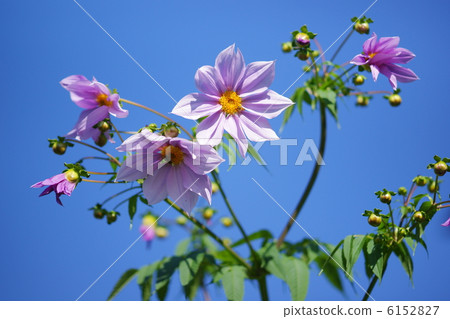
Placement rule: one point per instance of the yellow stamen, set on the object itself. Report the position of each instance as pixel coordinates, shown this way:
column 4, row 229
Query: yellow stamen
column 102, row 99
column 173, row 154
column 231, row 103
column 72, row 176
column 372, row 55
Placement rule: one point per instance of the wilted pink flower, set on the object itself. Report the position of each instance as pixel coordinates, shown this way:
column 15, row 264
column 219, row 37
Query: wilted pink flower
column 97, row 101
column 382, row 55
column 172, row 167
column 61, row 184
column 234, row 97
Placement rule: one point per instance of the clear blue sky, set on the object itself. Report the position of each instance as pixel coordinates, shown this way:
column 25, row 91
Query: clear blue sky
column 54, row 253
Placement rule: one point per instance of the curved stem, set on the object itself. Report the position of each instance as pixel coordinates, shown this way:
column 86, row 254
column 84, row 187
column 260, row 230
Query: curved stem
column 157, row 113
column 95, row 148
column 119, row 193
column 117, row 131
column 370, row 92
column 312, row 179
column 340, row 76
column 93, row 157
column 341, row 45
column 436, row 189
column 101, row 173
column 241, row 229
column 102, row 182
column 370, row 288
column 128, row 132
column 210, row 233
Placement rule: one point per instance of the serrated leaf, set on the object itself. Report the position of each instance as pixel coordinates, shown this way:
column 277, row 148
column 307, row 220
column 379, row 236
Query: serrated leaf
column 233, row 282
column 296, row 274
column 123, row 281
column 189, row 267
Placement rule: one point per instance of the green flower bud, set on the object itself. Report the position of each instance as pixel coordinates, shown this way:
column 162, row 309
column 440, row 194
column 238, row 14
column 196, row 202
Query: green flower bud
column 362, row 100
column 395, row 100
column 440, row 168
column 111, row 217
column 374, row 220
column 59, row 148
column 302, row 39
column 433, row 187
column 315, row 54
column 102, row 140
column 226, row 221
column 286, row 47
column 103, row 126
column 208, row 213
column 303, row 55
column 358, row 80
column 181, row 220
column 419, row 216
column 99, row 213
column 171, row 131
column 385, row 198
column 72, row 176
column 361, row 27
column 421, row 180
column 214, row 187
column 161, row 232
column 402, row 191
column 227, row 241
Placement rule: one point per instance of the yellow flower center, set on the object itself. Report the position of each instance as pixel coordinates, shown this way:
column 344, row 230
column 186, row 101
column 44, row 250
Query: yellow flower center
column 372, row 55
column 72, row 176
column 173, row 154
column 102, row 99
column 231, row 103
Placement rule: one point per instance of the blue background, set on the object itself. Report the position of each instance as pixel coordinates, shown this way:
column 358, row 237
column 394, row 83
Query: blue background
column 50, row 252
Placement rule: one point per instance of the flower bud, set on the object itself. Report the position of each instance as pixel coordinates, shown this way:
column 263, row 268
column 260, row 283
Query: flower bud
column 181, row 220
column 208, row 213
column 226, row 221
column 101, row 140
column 395, row 100
column 171, row 131
column 385, row 198
column 152, row 127
column 315, row 54
column 402, row 191
column 286, row 47
column 421, row 180
column 111, row 217
column 403, row 231
column 358, row 80
column 433, row 187
column 419, row 216
column 59, row 148
column 99, row 213
column 103, row 126
column 72, row 176
column 214, row 187
column 303, row 55
column 362, row 100
column 302, row 39
column 361, row 27
column 374, row 220
column 226, row 241
column 161, row 232
column 440, row 168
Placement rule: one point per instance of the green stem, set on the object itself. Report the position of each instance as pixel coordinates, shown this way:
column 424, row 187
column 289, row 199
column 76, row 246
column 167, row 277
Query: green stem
column 341, row 45
column 263, row 288
column 117, row 131
column 95, row 148
column 393, row 223
column 210, row 233
column 340, row 76
column 370, row 288
column 241, row 229
column 436, row 189
column 118, row 194
column 312, row 179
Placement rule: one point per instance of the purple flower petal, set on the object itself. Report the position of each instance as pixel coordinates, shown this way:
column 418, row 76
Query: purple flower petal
column 207, row 81
column 233, row 126
column 210, row 130
column 398, row 73
column 230, row 66
column 197, row 105
column 447, row 223
column 199, row 184
column 375, row 72
column 181, row 195
column 202, row 158
column 115, row 109
column 257, row 75
column 402, row 56
column 386, row 44
column 146, row 139
column 359, row 60
column 84, row 127
column 155, row 187
column 257, row 128
column 50, row 181
column 268, row 104
column 370, row 44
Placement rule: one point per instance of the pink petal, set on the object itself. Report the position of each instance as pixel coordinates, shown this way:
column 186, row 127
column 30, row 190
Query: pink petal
column 370, row 45
column 196, row 105
column 115, row 109
column 375, row 72
column 257, row 75
column 210, row 130
column 199, row 184
column 155, row 187
column 268, row 104
column 180, row 194
column 231, row 67
column 208, row 81
column 359, row 60
column 232, row 125
column 257, row 128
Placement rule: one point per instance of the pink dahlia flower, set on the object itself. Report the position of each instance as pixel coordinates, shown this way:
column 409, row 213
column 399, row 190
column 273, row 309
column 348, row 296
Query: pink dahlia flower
column 173, row 167
column 382, row 55
column 234, row 97
column 97, row 101
column 61, row 184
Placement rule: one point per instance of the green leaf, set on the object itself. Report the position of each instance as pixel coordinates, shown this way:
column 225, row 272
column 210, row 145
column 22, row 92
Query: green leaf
column 233, row 282
column 146, row 289
column 132, row 207
column 257, row 235
column 351, row 250
column 287, row 115
column 166, row 269
column 182, row 247
column 189, row 267
column 374, row 255
column 253, row 153
column 328, row 98
column 296, row 274
column 123, row 281
column 330, row 270
column 404, row 256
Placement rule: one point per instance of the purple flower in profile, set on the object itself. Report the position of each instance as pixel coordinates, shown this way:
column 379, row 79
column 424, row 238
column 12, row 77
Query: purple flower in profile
column 234, row 97
column 447, row 223
column 173, row 167
column 98, row 104
column 61, row 184
column 382, row 55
